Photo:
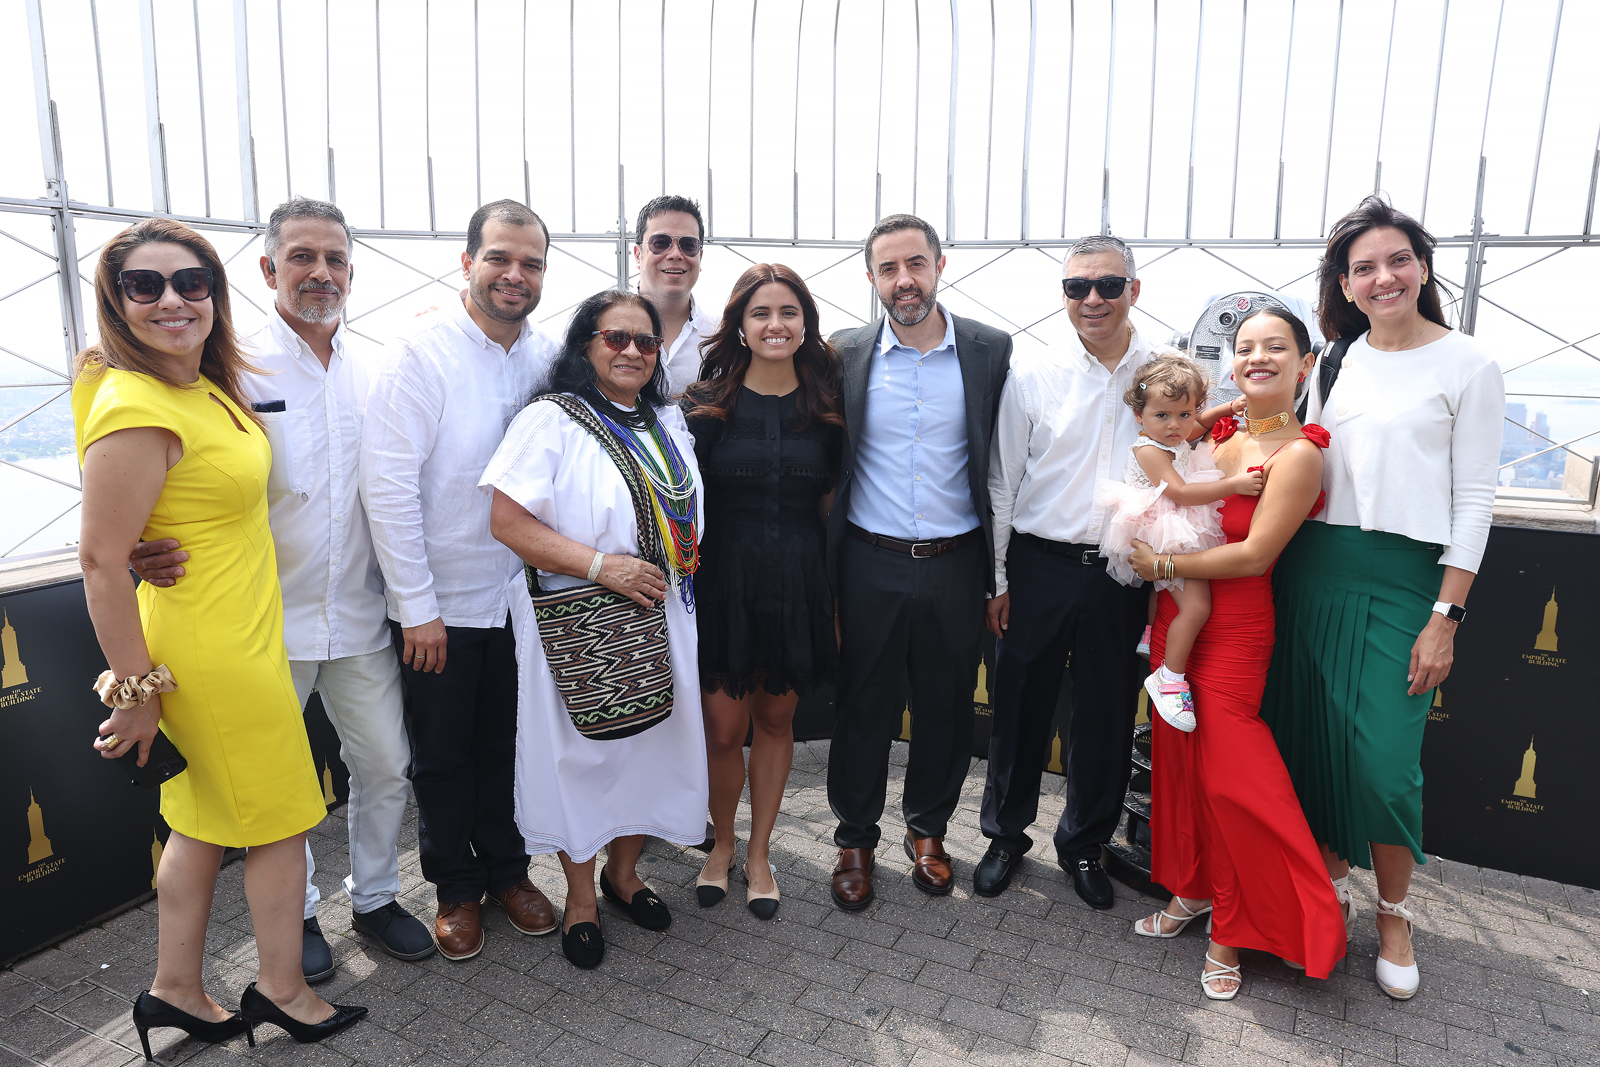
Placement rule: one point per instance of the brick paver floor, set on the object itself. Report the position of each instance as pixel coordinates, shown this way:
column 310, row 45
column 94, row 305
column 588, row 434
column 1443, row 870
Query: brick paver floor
column 1510, row 974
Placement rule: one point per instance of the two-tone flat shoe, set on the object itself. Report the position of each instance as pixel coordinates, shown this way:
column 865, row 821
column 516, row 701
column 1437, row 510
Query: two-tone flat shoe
column 709, row 891
column 762, row 905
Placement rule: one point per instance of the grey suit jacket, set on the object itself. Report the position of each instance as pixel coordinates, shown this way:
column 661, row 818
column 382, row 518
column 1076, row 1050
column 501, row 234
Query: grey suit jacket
column 985, row 356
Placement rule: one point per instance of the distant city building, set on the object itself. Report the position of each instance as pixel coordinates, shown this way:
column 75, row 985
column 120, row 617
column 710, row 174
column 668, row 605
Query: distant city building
column 1541, row 471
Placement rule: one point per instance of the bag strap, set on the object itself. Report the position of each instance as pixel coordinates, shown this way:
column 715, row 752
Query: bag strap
column 1327, row 373
column 649, row 535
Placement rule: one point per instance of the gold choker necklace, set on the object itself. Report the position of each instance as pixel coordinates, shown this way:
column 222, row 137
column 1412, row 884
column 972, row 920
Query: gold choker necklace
column 1276, row 422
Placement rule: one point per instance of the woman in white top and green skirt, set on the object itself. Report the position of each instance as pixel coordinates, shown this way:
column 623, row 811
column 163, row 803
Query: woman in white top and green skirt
column 1369, row 597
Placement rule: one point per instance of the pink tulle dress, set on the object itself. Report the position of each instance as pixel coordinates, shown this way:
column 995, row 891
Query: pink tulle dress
column 1139, row 510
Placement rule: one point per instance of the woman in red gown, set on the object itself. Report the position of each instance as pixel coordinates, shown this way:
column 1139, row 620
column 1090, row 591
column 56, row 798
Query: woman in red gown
column 1228, row 835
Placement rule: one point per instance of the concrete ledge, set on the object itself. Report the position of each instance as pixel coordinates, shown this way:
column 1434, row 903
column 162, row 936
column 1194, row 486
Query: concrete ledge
column 41, row 568
column 1567, row 518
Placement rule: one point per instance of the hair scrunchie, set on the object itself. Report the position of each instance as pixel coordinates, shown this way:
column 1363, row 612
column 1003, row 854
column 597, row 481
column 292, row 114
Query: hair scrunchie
column 134, row 690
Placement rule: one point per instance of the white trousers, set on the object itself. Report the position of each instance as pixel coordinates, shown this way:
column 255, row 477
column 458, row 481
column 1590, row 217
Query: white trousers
column 362, row 697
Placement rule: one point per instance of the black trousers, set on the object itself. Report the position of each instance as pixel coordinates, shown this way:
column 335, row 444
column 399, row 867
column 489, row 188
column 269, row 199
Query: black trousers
column 910, row 630
column 1062, row 607
column 463, row 726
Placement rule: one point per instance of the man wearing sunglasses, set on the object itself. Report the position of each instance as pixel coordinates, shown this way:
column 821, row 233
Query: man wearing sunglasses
column 438, row 410
column 1063, row 426
column 309, row 396
column 909, row 550
column 667, row 249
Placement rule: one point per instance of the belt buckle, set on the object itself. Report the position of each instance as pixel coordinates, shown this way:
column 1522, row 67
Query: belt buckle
column 932, row 549
column 1090, row 557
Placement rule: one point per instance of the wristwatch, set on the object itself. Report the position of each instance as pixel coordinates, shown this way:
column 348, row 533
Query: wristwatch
column 1453, row 612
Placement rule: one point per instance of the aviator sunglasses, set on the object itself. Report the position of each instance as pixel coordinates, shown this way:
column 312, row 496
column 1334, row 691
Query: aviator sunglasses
column 659, row 243
column 617, row 340
column 1110, row 287
column 146, row 286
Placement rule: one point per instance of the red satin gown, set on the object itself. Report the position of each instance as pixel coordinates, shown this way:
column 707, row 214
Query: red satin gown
column 1226, row 824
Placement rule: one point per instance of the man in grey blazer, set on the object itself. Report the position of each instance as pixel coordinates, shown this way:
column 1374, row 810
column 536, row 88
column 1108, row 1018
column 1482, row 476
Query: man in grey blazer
column 911, row 553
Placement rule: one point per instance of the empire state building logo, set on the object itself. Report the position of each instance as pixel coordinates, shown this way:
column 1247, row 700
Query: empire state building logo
column 14, row 672
column 1546, row 641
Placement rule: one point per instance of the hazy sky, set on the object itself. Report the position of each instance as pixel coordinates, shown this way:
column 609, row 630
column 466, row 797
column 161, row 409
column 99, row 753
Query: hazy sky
column 762, row 98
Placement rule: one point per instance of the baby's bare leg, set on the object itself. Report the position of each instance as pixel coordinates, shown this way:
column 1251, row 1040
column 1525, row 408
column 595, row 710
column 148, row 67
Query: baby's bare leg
column 1194, row 606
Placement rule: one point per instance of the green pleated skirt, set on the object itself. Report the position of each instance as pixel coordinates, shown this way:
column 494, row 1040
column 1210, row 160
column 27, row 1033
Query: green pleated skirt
column 1350, row 604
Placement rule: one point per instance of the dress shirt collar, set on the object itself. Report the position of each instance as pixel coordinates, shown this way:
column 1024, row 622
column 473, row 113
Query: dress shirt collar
column 475, row 334
column 887, row 339
column 1138, row 349
column 292, row 342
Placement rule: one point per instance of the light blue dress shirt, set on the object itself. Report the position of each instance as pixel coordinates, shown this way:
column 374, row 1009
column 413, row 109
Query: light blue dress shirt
column 911, row 459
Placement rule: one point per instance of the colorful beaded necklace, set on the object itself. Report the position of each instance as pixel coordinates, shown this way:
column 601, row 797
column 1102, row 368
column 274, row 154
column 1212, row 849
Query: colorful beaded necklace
column 672, row 491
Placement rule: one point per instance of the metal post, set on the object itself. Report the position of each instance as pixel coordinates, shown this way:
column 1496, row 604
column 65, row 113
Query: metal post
column 950, row 142
column 155, row 136
column 66, row 244
column 1105, row 158
column 1027, row 110
column 1475, row 257
column 249, row 195
column 1544, row 111
column 622, row 231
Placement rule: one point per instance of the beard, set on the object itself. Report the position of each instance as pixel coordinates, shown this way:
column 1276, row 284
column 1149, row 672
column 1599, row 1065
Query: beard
column 312, row 313
column 924, row 306
column 484, row 298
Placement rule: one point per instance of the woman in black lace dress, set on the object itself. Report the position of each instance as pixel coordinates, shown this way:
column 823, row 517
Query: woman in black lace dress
column 768, row 424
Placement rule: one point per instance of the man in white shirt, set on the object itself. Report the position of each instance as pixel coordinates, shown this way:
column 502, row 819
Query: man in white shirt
column 1062, row 426
column 438, row 410
column 309, row 394
column 667, row 248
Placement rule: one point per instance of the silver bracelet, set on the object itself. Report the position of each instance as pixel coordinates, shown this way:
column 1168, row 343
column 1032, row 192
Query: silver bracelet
column 594, row 566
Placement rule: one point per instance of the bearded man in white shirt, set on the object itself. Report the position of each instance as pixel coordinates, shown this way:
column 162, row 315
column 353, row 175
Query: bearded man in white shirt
column 1062, row 426
column 667, row 248
column 309, row 392
column 437, row 412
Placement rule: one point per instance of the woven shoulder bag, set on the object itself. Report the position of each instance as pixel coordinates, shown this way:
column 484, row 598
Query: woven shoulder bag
column 609, row 656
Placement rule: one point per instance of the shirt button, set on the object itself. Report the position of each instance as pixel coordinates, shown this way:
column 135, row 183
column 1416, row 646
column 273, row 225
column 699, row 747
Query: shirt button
column 919, row 401
column 919, row 477
column 919, row 514
column 1341, row 411
column 917, row 439
column 919, row 362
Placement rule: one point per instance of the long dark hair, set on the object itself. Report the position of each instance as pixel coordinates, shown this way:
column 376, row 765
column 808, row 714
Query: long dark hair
column 221, row 360
column 1339, row 317
column 574, row 373
column 724, row 359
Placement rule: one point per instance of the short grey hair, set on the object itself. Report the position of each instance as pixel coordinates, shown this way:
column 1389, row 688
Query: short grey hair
column 302, row 207
column 1100, row 242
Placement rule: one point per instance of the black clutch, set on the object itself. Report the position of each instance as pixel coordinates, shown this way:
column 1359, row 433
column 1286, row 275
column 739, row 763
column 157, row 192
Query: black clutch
column 165, row 762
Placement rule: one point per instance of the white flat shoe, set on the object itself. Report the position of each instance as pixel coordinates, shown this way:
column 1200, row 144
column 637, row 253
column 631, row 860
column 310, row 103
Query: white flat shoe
column 1398, row 982
column 1207, row 977
column 1183, row 921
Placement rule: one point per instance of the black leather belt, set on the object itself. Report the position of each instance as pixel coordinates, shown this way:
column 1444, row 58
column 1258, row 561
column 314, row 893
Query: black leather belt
column 916, row 549
column 1088, row 555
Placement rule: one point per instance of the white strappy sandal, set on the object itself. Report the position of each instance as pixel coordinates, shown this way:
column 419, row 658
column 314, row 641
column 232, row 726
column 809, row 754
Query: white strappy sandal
column 1399, row 982
column 1207, row 977
column 1183, row 920
column 1347, row 905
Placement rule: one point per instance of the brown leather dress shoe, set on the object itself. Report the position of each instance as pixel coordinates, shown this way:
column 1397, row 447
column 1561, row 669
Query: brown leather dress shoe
column 458, row 931
column 930, row 864
column 852, row 879
column 529, row 910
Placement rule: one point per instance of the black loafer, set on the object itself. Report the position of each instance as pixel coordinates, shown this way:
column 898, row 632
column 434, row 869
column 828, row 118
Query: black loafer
column 645, row 909
column 316, row 958
column 398, row 932
column 583, row 945
column 1091, row 884
column 993, row 873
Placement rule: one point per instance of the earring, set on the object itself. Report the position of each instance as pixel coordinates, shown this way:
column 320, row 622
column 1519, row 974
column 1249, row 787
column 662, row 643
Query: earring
column 1424, row 278
column 802, row 338
column 742, row 341
column 1300, row 380
column 1349, row 298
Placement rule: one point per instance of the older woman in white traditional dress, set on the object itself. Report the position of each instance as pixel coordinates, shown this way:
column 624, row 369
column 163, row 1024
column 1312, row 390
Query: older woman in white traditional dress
column 561, row 502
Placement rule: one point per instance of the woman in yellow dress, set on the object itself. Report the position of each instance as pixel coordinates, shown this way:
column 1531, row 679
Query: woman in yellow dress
column 169, row 449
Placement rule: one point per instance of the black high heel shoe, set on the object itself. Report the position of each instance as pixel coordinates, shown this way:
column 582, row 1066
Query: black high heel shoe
column 255, row 1008
column 152, row 1012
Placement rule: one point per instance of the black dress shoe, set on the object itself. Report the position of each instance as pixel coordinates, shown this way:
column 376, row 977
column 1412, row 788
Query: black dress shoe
column 994, row 871
column 255, row 1008
column 398, row 932
column 583, row 945
column 1090, row 883
column 151, row 1012
column 645, row 909
column 316, row 958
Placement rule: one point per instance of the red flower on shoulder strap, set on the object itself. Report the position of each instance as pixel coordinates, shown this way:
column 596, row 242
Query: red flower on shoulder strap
column 1224, row 428
column 1316, row 508
column 1316, row 435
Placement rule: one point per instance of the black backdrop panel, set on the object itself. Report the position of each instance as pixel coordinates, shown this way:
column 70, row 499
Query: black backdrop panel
column 78, row 839
column 1512, row 744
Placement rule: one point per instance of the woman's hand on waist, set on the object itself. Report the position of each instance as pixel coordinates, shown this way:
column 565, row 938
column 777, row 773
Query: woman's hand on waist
column 633, row 577
column 130, row 726
column 1143, row 561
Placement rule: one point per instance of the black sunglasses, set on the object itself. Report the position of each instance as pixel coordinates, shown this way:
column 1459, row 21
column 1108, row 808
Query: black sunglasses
column 146, row 286
column 1110, row 287
column 661, row 242
column 617, row 340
